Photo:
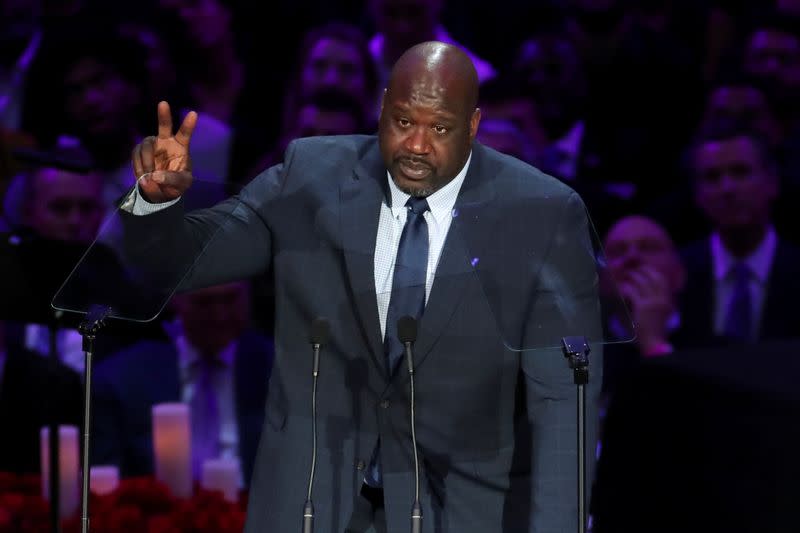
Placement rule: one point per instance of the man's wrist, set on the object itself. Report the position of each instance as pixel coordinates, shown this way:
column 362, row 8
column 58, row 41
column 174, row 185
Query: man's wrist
column 140, row 205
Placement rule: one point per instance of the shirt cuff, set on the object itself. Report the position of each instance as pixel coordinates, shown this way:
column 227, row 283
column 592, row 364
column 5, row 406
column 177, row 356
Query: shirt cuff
column 135, row 203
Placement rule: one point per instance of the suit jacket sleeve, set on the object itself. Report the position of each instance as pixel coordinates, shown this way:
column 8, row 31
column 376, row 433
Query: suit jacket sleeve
column 567, row 304
column 227, row 242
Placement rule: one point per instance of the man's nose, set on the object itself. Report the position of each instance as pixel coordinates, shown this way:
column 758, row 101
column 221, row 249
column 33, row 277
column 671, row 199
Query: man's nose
column 417, row 142
column 772, row 65
column 331, row 78
column 727, row 183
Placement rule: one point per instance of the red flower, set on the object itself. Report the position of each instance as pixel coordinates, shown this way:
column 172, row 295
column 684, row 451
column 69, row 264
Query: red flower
column 138, row 505
column 8, row 482
column 163, row 524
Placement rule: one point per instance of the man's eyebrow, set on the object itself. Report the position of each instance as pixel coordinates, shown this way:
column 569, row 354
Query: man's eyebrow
column 443, row 115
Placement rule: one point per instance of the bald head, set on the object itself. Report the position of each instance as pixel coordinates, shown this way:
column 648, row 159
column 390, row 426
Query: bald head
column 634, row 242
column 63, row 205
column 429, row 117
column 442, row 65
column 640, row 225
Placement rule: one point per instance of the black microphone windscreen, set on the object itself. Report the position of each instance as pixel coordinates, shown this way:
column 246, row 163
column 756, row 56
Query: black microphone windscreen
column 407, row 329
column 320, row 330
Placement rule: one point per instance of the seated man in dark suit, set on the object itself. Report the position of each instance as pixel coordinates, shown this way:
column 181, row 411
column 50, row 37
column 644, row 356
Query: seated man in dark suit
column 647, row 271
column 214, row 362
column 32, row 390
column 741, row 278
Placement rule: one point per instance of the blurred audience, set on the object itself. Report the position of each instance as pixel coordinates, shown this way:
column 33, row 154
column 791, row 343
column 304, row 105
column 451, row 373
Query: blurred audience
column 92, row 87
column 740, row 277
column 505, row 136
column 33, row 391
column 328, row 111
column 549, row 69
column 20, row 40
column 503, row 98
column 58, row 205
column 740, row 99
column 205, row 48
column 62, row 205
column 648, row 274
column 772, row 53
column 203, row 61
column 642, row 286
column 401, row 24
column 335, row 57
column 214, row 362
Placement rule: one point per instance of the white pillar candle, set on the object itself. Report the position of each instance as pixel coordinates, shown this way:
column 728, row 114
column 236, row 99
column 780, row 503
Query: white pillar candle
column 103, row 479
column 68, row 467
column 172, row 441
column 222, row 475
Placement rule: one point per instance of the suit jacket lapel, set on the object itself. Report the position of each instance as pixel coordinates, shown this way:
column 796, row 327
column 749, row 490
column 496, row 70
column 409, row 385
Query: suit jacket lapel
column 697, row 298
column 360, row 201
column 776, row 319
column 455, row 267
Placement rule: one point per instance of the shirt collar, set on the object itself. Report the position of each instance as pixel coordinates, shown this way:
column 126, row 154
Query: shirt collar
column 759, row 261
column 440, row 203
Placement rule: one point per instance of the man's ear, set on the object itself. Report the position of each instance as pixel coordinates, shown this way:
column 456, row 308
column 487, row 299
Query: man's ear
column 474, row 121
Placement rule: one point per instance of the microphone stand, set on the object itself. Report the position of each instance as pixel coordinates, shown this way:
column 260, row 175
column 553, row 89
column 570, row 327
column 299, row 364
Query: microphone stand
column 320, row 330
column 407, row 333
column 576, row 350
column 308, row 509
column 94, row 321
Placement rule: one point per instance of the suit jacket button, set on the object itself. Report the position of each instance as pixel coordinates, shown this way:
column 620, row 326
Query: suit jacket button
column 361, row 465
column 385, row 404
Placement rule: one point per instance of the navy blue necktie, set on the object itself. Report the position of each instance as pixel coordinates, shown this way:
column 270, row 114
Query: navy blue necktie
column 408, row 298
column 739, row 318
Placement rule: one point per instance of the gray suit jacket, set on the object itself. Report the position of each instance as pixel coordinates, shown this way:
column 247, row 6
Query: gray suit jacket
column 495, row 425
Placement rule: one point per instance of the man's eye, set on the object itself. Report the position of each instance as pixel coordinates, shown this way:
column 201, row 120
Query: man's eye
column 441, row 130
column 403, row 122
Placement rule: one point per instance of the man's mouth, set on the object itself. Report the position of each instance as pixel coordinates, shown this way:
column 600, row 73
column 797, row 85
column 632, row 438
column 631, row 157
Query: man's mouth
column 414, row 170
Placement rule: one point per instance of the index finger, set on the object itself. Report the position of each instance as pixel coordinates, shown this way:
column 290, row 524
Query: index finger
column 164, row 121
column 186, row 129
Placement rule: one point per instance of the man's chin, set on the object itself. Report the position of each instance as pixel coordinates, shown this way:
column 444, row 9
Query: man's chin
column 413, row 188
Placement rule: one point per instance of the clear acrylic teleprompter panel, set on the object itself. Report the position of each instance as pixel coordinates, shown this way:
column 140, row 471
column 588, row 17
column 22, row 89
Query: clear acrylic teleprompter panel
column 119, row 272
column 533, row 267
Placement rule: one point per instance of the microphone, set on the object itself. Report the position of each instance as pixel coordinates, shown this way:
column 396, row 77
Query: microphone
column 320, row 331
column 407, row 333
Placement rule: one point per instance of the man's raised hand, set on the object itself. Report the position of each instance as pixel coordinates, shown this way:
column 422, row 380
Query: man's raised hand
column 161, row 164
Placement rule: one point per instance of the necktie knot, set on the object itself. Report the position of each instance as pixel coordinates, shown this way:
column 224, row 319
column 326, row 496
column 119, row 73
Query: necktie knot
column 418, row 206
